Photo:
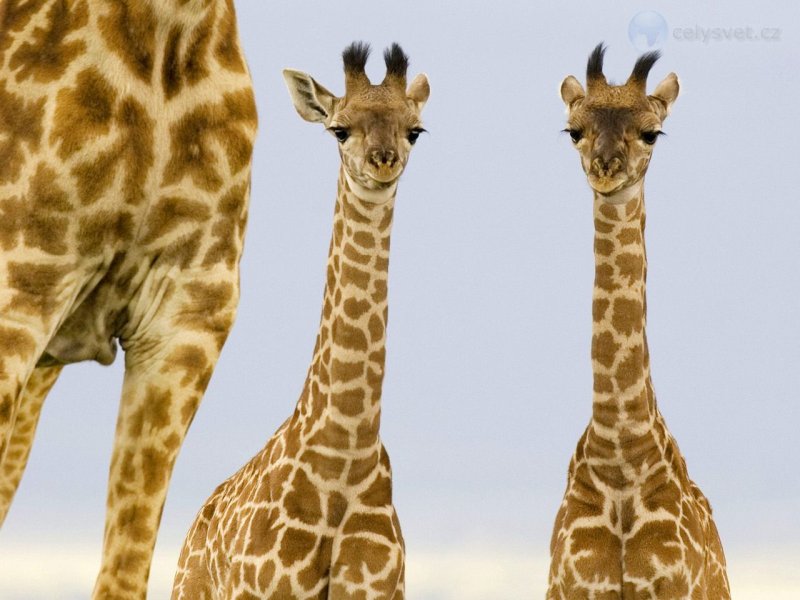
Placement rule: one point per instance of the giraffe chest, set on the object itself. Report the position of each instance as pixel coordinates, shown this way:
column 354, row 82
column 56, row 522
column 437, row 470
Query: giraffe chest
column 286, row 530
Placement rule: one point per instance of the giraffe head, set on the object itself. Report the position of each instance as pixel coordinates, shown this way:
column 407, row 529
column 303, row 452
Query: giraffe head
column 614, row 127
column 374, row 125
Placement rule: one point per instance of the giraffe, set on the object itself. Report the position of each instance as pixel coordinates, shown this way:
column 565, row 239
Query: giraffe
column 632, row 524
column 126, row 134
column 311, row 515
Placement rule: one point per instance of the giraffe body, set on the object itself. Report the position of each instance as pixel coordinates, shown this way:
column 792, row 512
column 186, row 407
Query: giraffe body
column 632, row 523
column 311, row 515
column 126, row 132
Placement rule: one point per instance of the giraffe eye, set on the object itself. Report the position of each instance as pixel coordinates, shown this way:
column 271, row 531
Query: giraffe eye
column 341, row 134
column 575, row 134
column 413, row 134
column 650, row 137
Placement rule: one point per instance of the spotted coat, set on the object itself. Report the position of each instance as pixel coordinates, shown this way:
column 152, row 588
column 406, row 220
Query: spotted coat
column 126, row 134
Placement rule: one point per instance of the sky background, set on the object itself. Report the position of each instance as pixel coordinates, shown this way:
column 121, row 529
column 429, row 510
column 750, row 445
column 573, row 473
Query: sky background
column 488, row 383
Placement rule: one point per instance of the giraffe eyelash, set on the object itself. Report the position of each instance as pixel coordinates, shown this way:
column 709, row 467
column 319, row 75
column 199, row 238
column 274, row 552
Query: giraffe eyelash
column 650, row 137
column 574, row 133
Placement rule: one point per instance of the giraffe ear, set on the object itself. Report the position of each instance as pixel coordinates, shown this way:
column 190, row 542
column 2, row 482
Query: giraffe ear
column 419, row 90
column 665, row 94
column 312, row 101
column 571, row 90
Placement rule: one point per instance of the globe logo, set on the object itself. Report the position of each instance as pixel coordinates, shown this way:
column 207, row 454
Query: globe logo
column 647, row 31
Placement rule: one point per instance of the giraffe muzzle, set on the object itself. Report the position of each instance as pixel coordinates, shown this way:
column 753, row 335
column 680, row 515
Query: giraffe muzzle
column 607, row 168
column 383, row 165
column 382, row 157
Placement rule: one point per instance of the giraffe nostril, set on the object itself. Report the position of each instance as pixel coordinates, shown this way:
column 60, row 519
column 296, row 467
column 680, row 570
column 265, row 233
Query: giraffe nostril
column 383, row 156
column 607, row 168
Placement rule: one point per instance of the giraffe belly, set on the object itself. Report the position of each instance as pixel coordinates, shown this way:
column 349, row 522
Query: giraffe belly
column 82, row 337
column 101, row 312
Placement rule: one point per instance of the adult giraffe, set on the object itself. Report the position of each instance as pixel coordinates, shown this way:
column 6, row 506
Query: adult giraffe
column 126, row 134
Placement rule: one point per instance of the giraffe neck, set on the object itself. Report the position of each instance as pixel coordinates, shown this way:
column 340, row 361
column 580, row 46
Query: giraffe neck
column 623, row 401
column 340, row 404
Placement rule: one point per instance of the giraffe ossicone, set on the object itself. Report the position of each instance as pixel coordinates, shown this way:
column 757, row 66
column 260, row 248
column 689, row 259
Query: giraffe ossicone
column 126, row 135
column 632, row 524
column 311, row 515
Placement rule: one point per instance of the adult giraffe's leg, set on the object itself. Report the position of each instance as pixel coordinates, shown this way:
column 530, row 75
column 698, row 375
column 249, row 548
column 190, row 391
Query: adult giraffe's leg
column 22, row 341
column 167, row 368
column 34, row 297
column 21, row 439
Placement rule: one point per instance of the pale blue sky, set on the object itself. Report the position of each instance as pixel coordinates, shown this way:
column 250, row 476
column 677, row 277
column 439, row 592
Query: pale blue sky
column 488, row 382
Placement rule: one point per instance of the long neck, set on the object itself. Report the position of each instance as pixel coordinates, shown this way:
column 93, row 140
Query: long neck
column 340, row 404
column 623, row 403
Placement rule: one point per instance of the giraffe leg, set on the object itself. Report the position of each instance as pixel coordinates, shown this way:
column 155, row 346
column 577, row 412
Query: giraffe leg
column 167, row 369
column 20, row 347
column 24, row 428
column 33, row 299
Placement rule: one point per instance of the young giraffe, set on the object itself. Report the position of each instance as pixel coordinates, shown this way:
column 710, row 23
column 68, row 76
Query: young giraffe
column 126, row 132
column 311, row 515
column 632, row 524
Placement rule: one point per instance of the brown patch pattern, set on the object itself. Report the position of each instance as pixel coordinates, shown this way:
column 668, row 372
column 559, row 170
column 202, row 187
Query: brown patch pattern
column 37, row 288
column 186, row 56
column 46, row 55
column 20, row 129
column 196, row 136
column 129, row 30
column 228, row 230
column 226, row 49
